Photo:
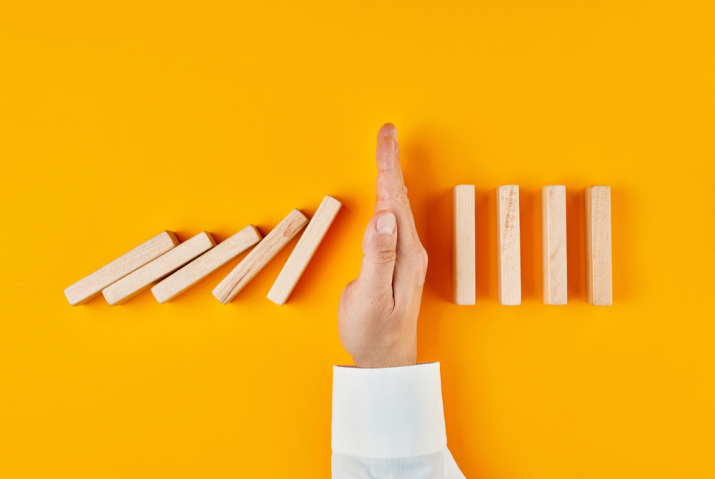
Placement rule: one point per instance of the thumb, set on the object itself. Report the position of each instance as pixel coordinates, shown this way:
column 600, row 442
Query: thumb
column 378, row 261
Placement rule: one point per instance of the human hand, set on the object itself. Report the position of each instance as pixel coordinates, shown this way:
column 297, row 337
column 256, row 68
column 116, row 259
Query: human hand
column 377, row 314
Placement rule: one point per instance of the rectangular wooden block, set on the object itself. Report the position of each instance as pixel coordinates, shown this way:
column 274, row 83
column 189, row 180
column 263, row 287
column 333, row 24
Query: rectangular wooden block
column 260, row 256
column 206, row 264
column 463, row 245
column 599, row 283
column 146, row 276
column 304, row 250
column 91, row 286
column 553, row 244
column 508, row 246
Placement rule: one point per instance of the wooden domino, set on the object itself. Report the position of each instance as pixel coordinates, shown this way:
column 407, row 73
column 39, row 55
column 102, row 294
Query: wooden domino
column 304, row 250
column 260, row 256
column 463, row 245
column 508, row 246
column 599, row 288
column 553, row 244
column 207, row 263
column 91, row 286
column 146, row 276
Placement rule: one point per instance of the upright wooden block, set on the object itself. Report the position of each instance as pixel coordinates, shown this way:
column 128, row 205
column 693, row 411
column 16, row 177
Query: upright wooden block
column 304, row 250
column 599, row 283
column 259, row 257
column 463, row 245
column 553, row 243
column 146, row 276
column 91, row 286
column 206, row 264
column 508, row 246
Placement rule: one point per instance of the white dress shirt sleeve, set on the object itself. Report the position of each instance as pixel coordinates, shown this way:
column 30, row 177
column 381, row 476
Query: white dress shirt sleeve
column 389, row 423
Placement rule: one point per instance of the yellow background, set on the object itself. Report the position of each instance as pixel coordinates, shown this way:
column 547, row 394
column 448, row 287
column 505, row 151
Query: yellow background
column 120, row 119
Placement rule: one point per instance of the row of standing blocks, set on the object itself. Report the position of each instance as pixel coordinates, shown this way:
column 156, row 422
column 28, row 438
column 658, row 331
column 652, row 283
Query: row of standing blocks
column 170, row 268
column 598, row 245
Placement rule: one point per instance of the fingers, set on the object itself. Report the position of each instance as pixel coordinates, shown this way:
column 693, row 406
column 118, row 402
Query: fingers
column 379, row 253
column 391, row 191
column 390, row 183
column 388, row 129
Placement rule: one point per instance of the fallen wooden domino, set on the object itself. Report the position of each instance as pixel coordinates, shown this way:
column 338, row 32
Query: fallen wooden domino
column 260, row 256
column 463, row 245
column 304, row 250
column 508, row 246
column 207, row 263
column 91, row 286
column 146, row 276
column 599, row 282
column 553, row 243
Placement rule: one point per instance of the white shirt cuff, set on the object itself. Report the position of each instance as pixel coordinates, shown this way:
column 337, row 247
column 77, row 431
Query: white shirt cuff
column 388, row 413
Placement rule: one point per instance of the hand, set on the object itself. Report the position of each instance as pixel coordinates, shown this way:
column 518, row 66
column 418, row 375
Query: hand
column 377, row 314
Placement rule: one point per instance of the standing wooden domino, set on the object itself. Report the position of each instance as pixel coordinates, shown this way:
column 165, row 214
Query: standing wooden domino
column 553, row 243
column 91, row 286
column 304, row 250
column 146, row 276
column 598, row 246
column 206, row 264
column 508, row 246
column 260, row 256
column 463, row 245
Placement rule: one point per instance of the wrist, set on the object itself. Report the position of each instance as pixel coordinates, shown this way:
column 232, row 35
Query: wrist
column 378, row 361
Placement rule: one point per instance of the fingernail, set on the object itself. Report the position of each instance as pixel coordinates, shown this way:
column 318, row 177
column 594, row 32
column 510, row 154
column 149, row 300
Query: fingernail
column 386, row 224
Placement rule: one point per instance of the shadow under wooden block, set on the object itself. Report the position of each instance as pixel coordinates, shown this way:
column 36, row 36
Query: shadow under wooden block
column 575, row 244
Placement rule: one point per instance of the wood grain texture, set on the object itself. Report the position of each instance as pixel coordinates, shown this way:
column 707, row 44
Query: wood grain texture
column 260, row 256
column 508, row 246
column 146, row 276
column 463, row 245
column 599, row 281
column 207, row 263
column 304, row 250
column 553, row 244
column 91, row 286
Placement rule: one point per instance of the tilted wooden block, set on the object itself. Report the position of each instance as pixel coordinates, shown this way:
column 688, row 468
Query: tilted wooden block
column 599, row 282
column 259, row 257
column 553, row 244
column 206, row 264
column 463, row 245
column 304, row 250
column 508, row 246
column 146, row 276
column 91, row 286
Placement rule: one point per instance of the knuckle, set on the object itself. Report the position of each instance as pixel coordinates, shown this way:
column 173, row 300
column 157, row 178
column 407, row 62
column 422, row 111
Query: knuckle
column 399, row 195
column 420, row 257
column 384, row 256
column 420, row 260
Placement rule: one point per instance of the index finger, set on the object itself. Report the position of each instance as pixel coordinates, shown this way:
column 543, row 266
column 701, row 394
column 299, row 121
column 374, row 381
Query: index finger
column 390, row 185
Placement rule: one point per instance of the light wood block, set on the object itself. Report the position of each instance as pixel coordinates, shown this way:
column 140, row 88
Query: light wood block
column 206, row 264
column 146, row 276
column 599, row 282
column 260, row 256
column 553, row 244
column 91, row 286
column 463, row 245
column 304, row 250
column 508, row 246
